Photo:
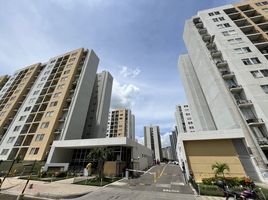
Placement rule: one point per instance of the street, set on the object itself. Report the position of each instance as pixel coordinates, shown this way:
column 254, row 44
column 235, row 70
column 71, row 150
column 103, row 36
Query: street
column 169, row 184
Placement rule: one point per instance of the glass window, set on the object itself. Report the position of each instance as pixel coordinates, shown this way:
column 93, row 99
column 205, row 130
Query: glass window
column 39, row 137
column 220, row 26
column 221, row 18
column 36, row 92
column 211, row 14
column 215, row 19
column 27, row 109
column 22, row 118
column 246, row 61
column 217, row 13
column 57, row 94
column 17, row 128
column 265, row 88
column 256, row 74
column 255, row 60
column 264, row 72
column 44, row 125
column 53, row 103
column 4, row 151
column 50, row 113
column 10, row 139
column 227, row 25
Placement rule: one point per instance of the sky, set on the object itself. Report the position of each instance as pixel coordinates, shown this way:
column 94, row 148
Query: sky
column 137, row 41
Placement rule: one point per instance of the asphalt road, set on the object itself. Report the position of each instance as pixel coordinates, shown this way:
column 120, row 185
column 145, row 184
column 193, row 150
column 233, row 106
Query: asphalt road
column 168, row 185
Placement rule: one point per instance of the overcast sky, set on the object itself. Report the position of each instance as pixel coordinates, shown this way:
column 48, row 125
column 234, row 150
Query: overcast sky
column 138, row 41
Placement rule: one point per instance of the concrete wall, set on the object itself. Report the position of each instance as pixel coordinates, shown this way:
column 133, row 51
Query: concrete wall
column 201, row 155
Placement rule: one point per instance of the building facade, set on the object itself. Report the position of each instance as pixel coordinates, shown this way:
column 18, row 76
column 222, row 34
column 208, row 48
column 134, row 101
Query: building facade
column 46, row 102
column 167, row 153
column 184, row 119
column 173, row 137
column 121, row 123
column 152, row 140
column 225, row 79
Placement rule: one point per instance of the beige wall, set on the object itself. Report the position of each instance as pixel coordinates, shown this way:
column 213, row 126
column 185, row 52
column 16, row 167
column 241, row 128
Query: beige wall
column 201, row 155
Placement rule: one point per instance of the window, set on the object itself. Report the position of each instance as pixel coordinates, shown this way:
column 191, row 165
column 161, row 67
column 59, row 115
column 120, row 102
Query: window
column 227, row 25
column 39, row 85
column 265, row 88
column 44, row 125
column 230, row 32
column 50, row 113
column 217, row 13
column 72, row 59
column 251, row 61
column 2, row 114
column 69, row 65
column 36, row 92
column 12, row 98
column 211, row 14
column 64, row 78
column 221, row 18
column 27, row 109
column 264, row 72
column 22, row 118
column 215, row 19
column 53, row 103
column 256, row 74
column 261, row 3
column 60, row 86
column 39, row 137
column 242, row 50
column 43, row 79
column 17, row 128
column 57, row 94
column 10, row 139
column 66, row 72
column 47, row 72
column 4, row 151
column 32, row 100
column 265, row 9
column 34, row 151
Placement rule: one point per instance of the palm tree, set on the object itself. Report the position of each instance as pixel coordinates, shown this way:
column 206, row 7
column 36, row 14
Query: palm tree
column 100, row 154
column 219, row 168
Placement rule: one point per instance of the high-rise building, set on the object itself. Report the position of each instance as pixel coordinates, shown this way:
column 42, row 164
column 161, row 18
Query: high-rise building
column 3, row 80
column 225, row 76
column 173, row 143
column 184, row 119
column 46, row 102
column 121, row 123
column 96, row 122
column 167, row 153
column 152, row 140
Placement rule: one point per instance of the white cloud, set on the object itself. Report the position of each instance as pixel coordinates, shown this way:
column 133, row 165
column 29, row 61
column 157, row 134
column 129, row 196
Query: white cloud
column 165, row 141
column 128, row 72
column 140, row 139
column 124, row 95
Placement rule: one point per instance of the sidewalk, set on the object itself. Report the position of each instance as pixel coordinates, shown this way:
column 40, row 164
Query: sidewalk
column 56, row 190
column 209, row 198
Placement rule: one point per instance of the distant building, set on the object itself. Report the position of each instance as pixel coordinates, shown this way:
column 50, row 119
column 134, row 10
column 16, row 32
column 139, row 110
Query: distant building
column 184, row 119
column 173, row 144
column 167, row 153
column 121, row 123
column 152, row 140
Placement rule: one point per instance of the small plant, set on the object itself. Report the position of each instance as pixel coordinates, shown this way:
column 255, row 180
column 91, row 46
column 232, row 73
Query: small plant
column 220, row 168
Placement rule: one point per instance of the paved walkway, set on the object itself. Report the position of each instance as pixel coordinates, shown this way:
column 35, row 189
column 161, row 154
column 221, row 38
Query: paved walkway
column 57, row 189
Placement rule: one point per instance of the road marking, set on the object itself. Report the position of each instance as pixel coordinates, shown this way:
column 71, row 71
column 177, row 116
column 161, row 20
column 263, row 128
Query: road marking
column 163, row 185
column 177, row 183
column 167, row 190
column 163, row 171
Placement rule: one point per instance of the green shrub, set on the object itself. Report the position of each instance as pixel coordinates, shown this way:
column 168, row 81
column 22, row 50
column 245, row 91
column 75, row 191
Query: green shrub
column 210, row 190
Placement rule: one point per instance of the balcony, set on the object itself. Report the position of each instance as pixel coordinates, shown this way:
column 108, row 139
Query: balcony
column 226, row 74
column 244, row 103
column 196, row 20
column 199, row 25
column 252, row 13
column 206, row 38
column 211, row 45
column 58, row 131
column 255, row 122
column 230, row 11
column 264, row 26
column 249, row 30
column 235, row 16
column 236, row 88
column 202, row 31
column 263, row 47
column 245, row 8
column 241, row 22
column 216, row 54
column 262, row 141
column 257, row 38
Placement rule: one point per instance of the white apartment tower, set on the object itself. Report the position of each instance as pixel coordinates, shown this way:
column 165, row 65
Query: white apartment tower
column 152, row 140
column 225, row 76
column 184, row 119
column 121, row 123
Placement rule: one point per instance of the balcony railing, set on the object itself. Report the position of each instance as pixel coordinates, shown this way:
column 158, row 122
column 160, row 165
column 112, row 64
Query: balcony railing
column 206, row 38
column 216, row 54
column 262, row 141
column 235, row 88
column 243, row 102
column 255, row 121
column 227, row 74
column 199, row 25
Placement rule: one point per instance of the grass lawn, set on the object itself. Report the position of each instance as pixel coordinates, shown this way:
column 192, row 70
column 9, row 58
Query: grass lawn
column 97, row 181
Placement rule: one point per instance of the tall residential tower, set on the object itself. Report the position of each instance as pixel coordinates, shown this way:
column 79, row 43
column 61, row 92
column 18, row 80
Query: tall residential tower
column 225, row 76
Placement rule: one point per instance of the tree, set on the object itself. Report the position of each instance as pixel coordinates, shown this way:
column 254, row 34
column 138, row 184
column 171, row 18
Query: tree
column 101, row 154
column 219, row 168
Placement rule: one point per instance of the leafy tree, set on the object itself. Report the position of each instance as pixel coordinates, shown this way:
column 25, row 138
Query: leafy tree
column 220, row 168
column 101, row 154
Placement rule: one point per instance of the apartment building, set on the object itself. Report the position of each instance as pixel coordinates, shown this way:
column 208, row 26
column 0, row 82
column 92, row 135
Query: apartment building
column 46, row 102
column 184, row 119
column 152, row 140
column 121, row 123
column 167, row 153
column 173, row 137
column 3, row 80
column 225, row 80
